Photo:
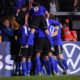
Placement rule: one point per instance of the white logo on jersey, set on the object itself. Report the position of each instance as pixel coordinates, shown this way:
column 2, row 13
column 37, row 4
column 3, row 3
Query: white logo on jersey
column 36, row 9
column 52, row 29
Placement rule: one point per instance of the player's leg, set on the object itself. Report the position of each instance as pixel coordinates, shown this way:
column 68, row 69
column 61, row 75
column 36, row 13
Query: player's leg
column 17, row 59
column 31, row 37
column 29, row 65
column 38, row 50
column 17, row 63
column 34, row 23
column 47, row 65
column 24, row 67
column 54, row 63
column 46, row 50
column 23, row 55
column 44, row 27
column 29, row 61
column 62, row 62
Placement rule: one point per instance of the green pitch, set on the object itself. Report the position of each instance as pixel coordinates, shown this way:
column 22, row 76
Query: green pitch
column 41, row 78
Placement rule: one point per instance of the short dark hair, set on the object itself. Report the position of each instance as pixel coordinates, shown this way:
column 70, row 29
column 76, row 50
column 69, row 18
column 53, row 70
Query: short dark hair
column 24, row 6
column 5, row 18
column 34, row 4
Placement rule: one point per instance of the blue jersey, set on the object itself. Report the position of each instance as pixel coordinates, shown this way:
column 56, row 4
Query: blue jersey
column 38, row 11
column 51, row 23
column 7, row 33
column 51, row 28
column 40, row 33
column 23, row 35
column 19, row 3
column 56, row 39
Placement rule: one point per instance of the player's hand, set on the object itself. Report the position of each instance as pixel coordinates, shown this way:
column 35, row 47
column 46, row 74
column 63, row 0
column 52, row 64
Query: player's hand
column 57, row 27
column 26, row 46
column 52, row 48
column 16, row 38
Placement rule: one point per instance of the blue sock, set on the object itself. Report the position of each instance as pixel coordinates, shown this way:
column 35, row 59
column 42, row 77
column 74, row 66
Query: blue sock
column 41, row 67
column 47, row 66
column 44, row 70
column 61, row 64
column 54, row 64
column 30, row 39
column 18, row 64
column 24, row 67
column 37, row 65
column 65, row 63
column 29, row 65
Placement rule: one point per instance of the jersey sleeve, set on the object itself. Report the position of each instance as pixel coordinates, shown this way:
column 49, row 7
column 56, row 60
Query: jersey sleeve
column 55, row 23
column 44, row 9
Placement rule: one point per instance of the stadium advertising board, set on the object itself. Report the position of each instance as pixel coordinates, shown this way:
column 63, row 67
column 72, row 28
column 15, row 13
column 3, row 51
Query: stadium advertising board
column 6, row 64
column 71, row 52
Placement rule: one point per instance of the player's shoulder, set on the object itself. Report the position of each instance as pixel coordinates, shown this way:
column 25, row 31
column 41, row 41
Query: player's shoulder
column 41, row 6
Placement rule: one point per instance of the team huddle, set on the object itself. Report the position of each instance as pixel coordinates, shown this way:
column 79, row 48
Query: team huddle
column 40, row 38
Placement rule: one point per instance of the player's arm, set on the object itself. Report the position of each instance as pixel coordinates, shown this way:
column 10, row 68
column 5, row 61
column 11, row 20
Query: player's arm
column 75, row 3
column 26, row 19
column 47, row 14
column 55, row 31
column 55, row 23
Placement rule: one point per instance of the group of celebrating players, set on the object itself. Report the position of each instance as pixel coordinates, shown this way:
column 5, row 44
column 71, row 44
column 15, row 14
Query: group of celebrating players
column 41, row 37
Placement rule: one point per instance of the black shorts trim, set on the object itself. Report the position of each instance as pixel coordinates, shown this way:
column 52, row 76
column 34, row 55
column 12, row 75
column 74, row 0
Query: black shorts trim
column 25, row 52
column 38, row 21
column 58, row 50
column 42, row 45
